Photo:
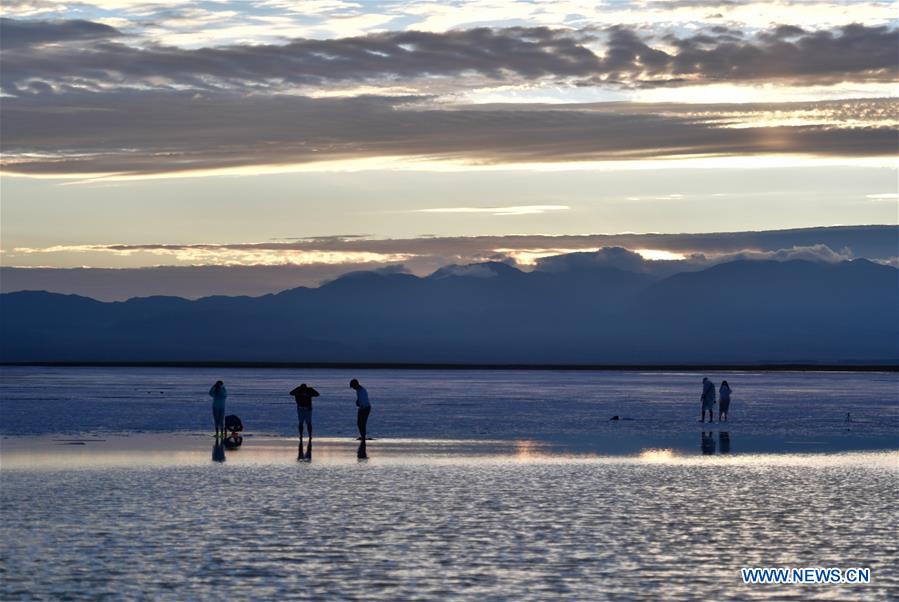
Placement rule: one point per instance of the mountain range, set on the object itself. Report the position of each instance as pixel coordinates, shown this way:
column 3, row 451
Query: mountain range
column 741, row 312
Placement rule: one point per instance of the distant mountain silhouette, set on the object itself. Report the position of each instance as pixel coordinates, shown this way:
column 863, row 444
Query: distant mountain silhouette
column 738, row 312
column 776, row 311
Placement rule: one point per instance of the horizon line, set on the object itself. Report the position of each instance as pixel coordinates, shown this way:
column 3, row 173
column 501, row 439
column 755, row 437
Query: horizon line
column 886, row 366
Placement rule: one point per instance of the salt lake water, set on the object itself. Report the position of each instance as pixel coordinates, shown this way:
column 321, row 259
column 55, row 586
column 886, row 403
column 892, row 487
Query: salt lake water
column 489, row 484
column 540, row 405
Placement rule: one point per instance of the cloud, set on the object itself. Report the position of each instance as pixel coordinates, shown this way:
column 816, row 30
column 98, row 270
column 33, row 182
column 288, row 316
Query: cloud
column 245, row 254
column 865, row 241
column 496, row 54
column 663, row 197
column 425, row 256
column 641, row 261
column 852, row 53
column 17, row 34
column 158, row 132
column 606, row 257
column 819, row 252
column 669, row 4
column 478, row 270
column 615, row 56
column 83, row 99
column 513, row 210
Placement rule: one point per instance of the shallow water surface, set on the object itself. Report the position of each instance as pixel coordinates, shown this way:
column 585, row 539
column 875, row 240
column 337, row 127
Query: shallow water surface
column 451, row 404
column 577, row 528
column 488, row 485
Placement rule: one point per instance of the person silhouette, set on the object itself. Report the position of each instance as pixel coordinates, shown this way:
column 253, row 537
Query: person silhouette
column 707, row 399
column 364, row 405
column 723, row 401
column 303, row 396
column 218, row 394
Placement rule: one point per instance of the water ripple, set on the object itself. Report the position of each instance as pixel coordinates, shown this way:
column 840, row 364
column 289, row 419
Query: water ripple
column 493, row 531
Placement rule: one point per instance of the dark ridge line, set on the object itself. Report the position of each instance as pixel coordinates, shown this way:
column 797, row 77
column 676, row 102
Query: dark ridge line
column 776, row 367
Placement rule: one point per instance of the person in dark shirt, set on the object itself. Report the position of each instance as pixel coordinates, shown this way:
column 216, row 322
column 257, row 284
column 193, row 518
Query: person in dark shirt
column 303, row 396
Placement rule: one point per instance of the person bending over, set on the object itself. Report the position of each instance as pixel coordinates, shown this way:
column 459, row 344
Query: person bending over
column 303, row 396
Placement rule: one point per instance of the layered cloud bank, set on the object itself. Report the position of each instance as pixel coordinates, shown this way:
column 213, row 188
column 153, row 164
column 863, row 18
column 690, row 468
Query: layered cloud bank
column 197, row 270
column 88, row 98
column 98, row 56
column 155, row 132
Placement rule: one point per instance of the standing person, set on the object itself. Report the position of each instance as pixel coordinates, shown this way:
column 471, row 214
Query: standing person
column 364, row 406
column 708, row 399
column 218, row 394
column 724, row 401
column 303, row 396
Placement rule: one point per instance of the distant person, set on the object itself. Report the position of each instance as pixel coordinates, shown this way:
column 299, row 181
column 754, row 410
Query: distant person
column 364, row 406
column 723, row 401
column 218, row 394
column 707, row 399
column 303, row 396
column 234, row 428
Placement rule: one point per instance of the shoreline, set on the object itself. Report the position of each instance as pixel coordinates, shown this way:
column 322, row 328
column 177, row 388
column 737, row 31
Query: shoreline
column 763, row 367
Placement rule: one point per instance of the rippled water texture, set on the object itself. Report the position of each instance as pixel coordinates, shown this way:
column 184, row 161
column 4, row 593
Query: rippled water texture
column 572, row 529
column 484, row 485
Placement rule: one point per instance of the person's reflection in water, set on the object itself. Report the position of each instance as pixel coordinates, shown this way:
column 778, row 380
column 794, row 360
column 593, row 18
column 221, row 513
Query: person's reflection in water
column 218, row 450
column 708, row 444
column 304, row 457
column 362, row 453
column 724, row 442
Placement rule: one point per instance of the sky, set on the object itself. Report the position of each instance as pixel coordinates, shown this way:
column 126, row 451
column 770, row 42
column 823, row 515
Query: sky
column 293, row 140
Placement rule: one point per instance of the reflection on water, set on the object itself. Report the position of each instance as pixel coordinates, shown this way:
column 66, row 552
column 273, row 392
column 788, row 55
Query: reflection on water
column 724, row 442
column 361, row 451
column 707, row 444
column 304, row 455
column 233, row 441
column 657, row 455
column 488, row 527
column 147, row 451
column 218, row 450
column 526, row 449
